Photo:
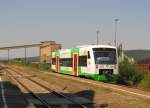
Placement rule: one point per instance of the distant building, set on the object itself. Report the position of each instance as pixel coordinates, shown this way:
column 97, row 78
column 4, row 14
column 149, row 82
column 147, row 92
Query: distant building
column 144, row 65
column 46, row 49
column 144, row 61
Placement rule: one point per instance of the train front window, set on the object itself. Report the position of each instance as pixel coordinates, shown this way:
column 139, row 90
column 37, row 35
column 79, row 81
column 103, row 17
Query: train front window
column 104, row 55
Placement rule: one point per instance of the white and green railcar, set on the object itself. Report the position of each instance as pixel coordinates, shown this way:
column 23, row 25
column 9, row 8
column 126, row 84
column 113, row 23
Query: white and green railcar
column 93, row 61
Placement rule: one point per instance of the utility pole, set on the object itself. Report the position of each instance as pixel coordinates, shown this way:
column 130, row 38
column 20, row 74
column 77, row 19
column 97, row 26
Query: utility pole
column 39, row 57
column 97, row 36
column 8, row 56
column 25, row 54
column 115, row 41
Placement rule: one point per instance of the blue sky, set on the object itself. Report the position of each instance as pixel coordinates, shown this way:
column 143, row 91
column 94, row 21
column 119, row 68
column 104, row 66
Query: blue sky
column 74, row 22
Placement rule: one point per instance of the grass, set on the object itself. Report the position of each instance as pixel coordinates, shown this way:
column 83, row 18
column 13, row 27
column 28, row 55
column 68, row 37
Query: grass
column 43, row 67
column 145, row 83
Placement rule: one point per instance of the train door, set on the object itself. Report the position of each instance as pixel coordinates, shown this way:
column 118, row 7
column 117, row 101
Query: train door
column 75, row 64
column 88, row 62
column 57, row 63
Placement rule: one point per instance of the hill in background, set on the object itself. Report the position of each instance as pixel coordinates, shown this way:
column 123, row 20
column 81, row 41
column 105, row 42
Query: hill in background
column 138, row 55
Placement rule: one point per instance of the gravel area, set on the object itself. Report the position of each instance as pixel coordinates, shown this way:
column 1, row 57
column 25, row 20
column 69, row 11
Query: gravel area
column 97, row 94
column 47, row 95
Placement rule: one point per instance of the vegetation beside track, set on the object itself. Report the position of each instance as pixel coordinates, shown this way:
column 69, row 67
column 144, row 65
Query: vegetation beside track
column 131, row 76
column 90, row 91
column 97, row 94
column 145, row 83
column 128, row 73
column 29, row 64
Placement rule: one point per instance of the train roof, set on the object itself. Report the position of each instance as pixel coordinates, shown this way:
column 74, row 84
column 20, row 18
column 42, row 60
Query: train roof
column 96, row 46
column 89, row 46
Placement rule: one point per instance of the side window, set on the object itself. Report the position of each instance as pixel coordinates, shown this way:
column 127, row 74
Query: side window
column 66, row 62
column 88, row 55
column 54, row 61
column 82, row 60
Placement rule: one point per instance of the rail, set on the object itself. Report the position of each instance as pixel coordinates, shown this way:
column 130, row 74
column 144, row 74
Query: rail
column 48, row 89
column 30, row 92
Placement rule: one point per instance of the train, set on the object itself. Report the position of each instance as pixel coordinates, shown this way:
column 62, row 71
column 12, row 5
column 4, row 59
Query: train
column 98, row 62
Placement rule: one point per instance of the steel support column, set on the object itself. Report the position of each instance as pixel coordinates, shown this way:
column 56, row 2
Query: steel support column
column 25, row 58
column 8, row 55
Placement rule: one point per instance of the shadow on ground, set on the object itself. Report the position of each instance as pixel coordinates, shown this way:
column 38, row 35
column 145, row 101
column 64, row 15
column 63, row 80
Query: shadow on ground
column 11, row 96
column 15, row 98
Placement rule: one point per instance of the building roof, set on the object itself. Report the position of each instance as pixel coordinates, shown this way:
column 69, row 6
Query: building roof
column 144, row 61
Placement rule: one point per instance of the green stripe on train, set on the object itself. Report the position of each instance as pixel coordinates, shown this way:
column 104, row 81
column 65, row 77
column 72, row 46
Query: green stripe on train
column 66, row 72
column 91, row 76
column 94, row 76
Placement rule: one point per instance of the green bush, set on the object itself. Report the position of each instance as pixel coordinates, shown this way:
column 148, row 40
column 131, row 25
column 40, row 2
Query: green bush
column 145, row 83
column 129, row 74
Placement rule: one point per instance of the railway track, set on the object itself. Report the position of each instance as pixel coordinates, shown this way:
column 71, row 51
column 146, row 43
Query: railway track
column 45, row 104
column 137, row 95
column 15, row 79
column 43, row 101
column 116, row 87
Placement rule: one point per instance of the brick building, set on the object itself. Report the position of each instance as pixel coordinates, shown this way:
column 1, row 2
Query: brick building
column 144, row 65
column 46, row 49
